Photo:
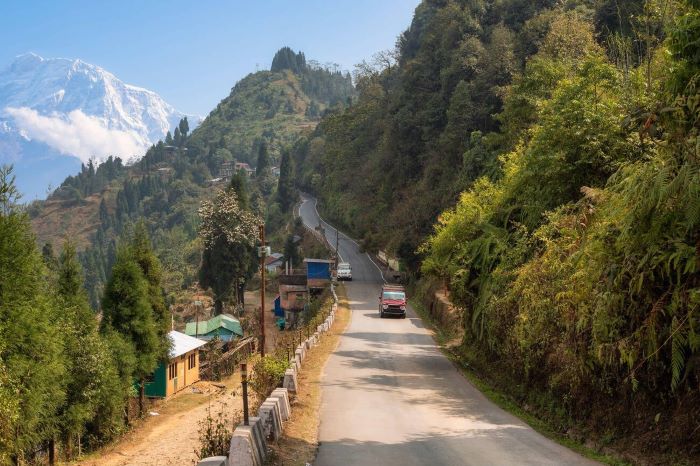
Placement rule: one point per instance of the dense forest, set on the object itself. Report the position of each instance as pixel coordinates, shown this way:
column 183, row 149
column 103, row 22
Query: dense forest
column 540, row 161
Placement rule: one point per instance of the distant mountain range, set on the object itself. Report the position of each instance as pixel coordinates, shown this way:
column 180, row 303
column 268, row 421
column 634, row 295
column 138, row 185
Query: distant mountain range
column 57, row 113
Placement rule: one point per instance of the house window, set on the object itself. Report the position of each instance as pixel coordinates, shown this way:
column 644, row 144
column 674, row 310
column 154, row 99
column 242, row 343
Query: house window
column 172, row 371
column 191, row 361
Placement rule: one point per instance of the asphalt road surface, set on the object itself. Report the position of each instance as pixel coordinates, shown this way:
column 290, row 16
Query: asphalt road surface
column 390, row 397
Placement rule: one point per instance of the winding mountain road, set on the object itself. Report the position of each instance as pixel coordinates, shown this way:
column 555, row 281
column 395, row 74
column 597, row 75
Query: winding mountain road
column 390, row 397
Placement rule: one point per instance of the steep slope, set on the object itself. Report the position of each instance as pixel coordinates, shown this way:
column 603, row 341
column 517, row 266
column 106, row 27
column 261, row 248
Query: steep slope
column 168, row 184
column 58, row 107
column 537, row 163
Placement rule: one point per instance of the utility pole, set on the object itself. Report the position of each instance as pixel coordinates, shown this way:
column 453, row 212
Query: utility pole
column 337, row 241
column 244, row 382
column 262, row 253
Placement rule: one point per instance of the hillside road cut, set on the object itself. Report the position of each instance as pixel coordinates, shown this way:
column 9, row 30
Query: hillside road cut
column 390, row 397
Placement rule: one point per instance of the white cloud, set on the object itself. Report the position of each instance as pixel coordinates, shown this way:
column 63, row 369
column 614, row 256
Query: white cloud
column 77, row 134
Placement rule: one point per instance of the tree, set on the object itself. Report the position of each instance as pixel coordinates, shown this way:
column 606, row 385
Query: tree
column 263, row 160
column 291, row 252
column 184, row 127
column 229, row 234
column 169, row 139
column 285, row 185
column 142, row 251
column 90, row 368
column 177, row 137
column 30, row 339
column 126, row 309
column 239, row 185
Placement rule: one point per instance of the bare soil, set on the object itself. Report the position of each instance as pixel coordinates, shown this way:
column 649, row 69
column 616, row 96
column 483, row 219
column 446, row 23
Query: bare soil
column 172, row 436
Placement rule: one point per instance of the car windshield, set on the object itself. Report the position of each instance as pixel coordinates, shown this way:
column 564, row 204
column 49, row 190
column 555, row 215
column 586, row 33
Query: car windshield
column 394, row 295
column 344, row 267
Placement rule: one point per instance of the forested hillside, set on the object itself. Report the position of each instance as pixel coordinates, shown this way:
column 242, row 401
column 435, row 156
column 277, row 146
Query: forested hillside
column 264, row 112
column 540, row 161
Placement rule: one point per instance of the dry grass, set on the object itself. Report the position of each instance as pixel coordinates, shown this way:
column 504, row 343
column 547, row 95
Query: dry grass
column 299, row 442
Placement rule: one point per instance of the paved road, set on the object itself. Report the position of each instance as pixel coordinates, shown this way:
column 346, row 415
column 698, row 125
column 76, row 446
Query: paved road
column 390, row 397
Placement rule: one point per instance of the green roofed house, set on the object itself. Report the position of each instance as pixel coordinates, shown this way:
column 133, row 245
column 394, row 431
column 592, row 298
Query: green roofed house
column 224, row 326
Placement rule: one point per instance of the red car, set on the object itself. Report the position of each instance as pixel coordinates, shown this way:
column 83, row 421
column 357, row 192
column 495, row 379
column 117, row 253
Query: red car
column 392, row 301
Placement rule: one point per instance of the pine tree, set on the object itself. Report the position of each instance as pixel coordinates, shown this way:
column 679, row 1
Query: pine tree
column 30, row 339
column 263, row 160
column 239, row 185
column 126, row 309
column 184, row 127
column 177, row 137
column 285, row 185
column 142, row 251
column 90, row 369
column 168, row 139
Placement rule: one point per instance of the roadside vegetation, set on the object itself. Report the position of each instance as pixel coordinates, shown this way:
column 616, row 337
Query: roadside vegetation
column 539, row 161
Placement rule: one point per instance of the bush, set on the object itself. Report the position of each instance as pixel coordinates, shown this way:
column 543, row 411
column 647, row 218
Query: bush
column 267, row 374
column 215, row 433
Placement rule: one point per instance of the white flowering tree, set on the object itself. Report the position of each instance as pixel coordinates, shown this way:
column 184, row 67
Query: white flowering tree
column 229, row 233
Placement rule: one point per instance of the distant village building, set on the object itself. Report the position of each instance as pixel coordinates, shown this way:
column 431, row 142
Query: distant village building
column 226, row 170
column 245, row 167
column 318, row 272
column 294, row 294
column 224, row 326
column 274, row 262
column 180, row 371
column 275, row 171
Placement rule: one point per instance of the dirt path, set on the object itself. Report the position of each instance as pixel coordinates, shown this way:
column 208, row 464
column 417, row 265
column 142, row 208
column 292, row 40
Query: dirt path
column 171, row 437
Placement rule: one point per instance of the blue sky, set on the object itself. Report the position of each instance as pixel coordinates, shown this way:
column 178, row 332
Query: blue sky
column 192, row 53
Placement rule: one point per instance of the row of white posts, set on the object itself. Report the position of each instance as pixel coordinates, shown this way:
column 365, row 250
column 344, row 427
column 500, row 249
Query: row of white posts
column 249, row 442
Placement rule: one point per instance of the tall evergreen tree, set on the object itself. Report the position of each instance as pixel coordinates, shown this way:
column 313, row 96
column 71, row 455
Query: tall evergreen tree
column 126, row 309
column 184, row 127
column 285, row 185
column 91, row 370
column 263, row 160
column 30, row 339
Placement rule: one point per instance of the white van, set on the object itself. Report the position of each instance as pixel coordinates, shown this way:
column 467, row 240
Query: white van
column 344, row 271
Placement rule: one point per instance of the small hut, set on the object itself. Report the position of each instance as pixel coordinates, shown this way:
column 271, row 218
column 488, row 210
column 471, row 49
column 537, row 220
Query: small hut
column 180, row 371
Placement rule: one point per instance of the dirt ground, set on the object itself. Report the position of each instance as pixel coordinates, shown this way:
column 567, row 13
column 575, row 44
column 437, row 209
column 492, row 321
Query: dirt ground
column 299, row 441
column 171, row 437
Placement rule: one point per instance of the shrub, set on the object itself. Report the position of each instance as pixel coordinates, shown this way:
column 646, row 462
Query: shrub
column 267, row 374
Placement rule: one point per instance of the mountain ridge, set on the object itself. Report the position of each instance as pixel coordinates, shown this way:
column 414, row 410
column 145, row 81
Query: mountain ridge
column 61, row 108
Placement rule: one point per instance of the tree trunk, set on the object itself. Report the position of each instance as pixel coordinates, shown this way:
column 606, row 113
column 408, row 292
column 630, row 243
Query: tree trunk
column 142, row 396
column 218, row 306
column 52, row 451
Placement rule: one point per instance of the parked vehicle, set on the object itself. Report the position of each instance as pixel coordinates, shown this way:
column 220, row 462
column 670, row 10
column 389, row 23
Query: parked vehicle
column 392, row 301
column 344, row 271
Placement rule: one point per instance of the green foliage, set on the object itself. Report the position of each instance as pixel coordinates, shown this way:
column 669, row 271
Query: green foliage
column 126, row 309
column 30, row 340
column 577, row 267
column 228, row 232
column 267, row 374
column 286, row 195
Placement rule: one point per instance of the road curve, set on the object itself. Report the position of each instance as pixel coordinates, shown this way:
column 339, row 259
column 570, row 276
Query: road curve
column 390, row 397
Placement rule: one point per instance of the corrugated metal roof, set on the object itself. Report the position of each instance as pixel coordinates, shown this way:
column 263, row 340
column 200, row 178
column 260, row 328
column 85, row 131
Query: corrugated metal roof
column 207, row 326
column 183, row 343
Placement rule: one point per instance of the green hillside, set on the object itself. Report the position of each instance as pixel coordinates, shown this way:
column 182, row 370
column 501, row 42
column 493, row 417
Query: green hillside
column 539, row 161
column 166, row 187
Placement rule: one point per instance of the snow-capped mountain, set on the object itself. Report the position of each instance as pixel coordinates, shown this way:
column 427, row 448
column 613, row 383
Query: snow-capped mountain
column 53, row 108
